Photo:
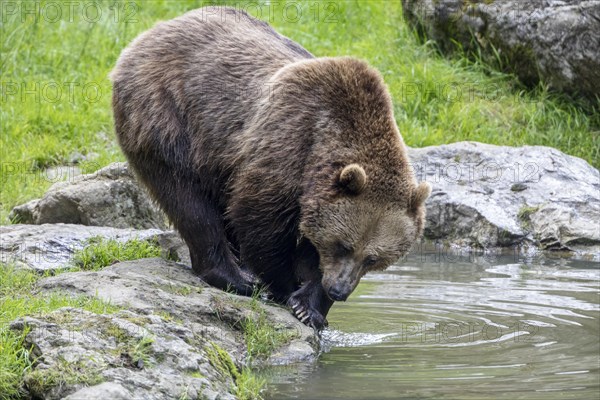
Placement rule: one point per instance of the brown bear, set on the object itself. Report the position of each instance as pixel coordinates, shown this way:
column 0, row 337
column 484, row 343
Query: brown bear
column 267, row 159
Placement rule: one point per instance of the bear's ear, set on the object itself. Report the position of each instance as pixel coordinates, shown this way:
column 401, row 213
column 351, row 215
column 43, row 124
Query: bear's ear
column 353, row 178
column 419, row 195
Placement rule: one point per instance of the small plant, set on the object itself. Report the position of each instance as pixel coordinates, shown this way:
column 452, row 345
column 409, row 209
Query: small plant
column 168, row 317
column 526, row 211
column 135, row 352
column 196, row 374
column 115, row 331
column 181, row 289
column 141, row 352
column 247, row 386
column 260, row 335
column 100, row 252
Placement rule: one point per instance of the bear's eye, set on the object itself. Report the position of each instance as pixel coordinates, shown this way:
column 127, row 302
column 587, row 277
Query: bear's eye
column 371, row 260
column 343, row 249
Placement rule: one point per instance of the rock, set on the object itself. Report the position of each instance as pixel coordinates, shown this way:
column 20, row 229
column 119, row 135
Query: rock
column 169, row 309
column 103, row 391
column 109, row 197
column 555, row 41
column 51, row 246
column 497, row 196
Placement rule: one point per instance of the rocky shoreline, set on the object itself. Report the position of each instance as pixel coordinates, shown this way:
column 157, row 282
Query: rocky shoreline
column 166, row 341
column 171, row 336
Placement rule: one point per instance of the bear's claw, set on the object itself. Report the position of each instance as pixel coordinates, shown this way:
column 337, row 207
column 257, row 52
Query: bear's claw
column 307, row 315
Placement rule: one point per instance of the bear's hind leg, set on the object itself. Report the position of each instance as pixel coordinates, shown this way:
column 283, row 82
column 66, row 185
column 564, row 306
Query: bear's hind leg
column 198, row 220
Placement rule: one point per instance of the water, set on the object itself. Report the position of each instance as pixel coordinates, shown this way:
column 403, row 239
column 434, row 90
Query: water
column 448, row 327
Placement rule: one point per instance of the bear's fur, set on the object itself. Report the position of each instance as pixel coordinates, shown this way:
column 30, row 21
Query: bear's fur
column 266, row 158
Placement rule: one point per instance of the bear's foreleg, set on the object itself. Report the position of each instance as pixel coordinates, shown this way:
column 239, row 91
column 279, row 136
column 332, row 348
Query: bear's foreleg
column 310, row 304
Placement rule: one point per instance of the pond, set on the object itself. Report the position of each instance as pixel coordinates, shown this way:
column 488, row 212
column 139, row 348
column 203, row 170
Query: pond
column 442, row 326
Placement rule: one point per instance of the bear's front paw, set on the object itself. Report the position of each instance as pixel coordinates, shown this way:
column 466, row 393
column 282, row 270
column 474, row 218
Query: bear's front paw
column 306, row 314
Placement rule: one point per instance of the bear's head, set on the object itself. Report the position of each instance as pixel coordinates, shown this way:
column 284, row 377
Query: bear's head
column 357, row 228
column 360, row 204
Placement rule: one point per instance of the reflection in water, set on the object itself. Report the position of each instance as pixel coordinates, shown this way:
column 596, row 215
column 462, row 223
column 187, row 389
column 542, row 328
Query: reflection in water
column 459, row 328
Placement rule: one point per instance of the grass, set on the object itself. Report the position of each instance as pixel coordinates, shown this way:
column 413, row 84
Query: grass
column 14, row 361
column 101, row 252
column 55, row 93
column 260, row 335
column 138, row 351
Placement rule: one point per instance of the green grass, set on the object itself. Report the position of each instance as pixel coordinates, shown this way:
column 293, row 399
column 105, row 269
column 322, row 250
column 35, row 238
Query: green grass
column 260, row 335
column 101, row 252
column 437, row 100
column 14, row 361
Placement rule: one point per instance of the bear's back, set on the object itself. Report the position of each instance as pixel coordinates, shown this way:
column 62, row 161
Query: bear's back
column 196, row 79
column 209, row 47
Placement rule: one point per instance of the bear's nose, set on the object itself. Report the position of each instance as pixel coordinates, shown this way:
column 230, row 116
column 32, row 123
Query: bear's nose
column 338, row 293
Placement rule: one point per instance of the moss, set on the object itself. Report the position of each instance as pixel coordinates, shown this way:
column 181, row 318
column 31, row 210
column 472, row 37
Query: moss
column 526, row 211
column 220, row 359
column 197, row 340
column 195, row 374
column 115, row 331
column 168, row 317
column 137, row 320
column 247, row 385
column 524, row 215
column 60, row 318
column 40, row 381
column 181, row 290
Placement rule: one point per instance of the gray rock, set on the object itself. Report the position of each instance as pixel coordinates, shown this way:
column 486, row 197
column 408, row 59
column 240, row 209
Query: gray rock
column 556, row 204
column 556, row 41
column 169, row 308
column 51, row 246
column 109, row 197
column 103, row 391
